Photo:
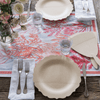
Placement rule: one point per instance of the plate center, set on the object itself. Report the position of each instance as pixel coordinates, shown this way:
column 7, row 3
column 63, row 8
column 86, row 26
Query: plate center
column 55, row 74
column 53, row 7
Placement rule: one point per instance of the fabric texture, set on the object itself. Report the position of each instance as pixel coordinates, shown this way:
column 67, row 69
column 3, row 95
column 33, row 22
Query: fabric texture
column 39, row 44
column 14, row 81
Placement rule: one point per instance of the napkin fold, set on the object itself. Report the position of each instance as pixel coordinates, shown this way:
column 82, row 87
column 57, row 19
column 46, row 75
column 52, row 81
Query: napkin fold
column 14, row 81
column 81, row 14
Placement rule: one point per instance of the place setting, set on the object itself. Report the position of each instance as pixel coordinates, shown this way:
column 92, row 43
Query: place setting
column 50, row 48
column 21, row 85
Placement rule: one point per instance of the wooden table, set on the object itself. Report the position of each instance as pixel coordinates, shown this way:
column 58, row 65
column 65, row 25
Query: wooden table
column 92, row 82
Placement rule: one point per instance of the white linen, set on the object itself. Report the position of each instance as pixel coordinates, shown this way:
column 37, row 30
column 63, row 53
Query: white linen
column 81, row 14
column 14, row 81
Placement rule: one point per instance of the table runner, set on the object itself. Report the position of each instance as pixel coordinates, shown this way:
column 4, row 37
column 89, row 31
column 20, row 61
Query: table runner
column 30, row 44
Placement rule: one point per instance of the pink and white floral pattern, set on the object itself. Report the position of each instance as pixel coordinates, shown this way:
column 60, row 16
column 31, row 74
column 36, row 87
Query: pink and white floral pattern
column 30, row 45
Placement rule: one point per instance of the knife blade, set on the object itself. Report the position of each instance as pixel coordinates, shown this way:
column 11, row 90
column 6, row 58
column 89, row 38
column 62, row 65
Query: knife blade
column 84, row 70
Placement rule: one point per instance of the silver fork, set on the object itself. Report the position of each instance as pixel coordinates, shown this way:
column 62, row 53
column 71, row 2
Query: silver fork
column 26, row 72
column 20, row 68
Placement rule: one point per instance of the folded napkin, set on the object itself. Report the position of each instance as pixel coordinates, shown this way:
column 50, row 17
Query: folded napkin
column 14, row 81
column 81, row 14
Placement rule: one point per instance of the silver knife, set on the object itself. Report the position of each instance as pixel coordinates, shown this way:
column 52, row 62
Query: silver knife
column 86, row 94
column 28, row 12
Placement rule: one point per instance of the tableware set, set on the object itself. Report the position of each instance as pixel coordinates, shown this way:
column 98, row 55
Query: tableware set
column 28, row 91
column 37, row 19
column 65, row 46
column 84, row 10
column 26, row 72
column 20, row 68
column 85, row 6
column 54, row 9
column 88, row 10
column 59, row 76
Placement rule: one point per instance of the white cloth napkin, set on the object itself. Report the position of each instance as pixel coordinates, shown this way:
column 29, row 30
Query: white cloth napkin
column 81, row 14
column 14, row 81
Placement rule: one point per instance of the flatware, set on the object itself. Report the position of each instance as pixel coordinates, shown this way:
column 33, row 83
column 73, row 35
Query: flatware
column 83, row 4
column 87, row 6
column 28, row 12
column 86, row 94
column 26, row 72
column 88, row 10
column 20, row 68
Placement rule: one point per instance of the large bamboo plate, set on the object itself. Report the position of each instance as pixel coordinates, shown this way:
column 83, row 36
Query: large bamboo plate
column 54, row 9
column 57, row 76
column 85, row 43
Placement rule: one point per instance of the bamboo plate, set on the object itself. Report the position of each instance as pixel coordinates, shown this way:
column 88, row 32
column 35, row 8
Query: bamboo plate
column 85, row 43
column 57, row 76
column 54, row 9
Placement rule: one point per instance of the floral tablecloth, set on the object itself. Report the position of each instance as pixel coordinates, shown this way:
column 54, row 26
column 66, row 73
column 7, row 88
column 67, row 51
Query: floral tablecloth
column 31, row 44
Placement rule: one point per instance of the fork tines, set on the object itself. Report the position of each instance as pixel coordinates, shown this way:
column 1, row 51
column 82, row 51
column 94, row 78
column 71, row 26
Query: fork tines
column 26, row 67
column 20, row 64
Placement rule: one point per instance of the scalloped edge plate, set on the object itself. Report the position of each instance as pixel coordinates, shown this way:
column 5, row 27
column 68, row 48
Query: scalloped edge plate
column 54, row 9
column 57, row 76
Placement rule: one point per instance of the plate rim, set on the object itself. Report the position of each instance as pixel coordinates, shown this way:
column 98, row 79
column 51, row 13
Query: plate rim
column 38, row 84
column 54, row 19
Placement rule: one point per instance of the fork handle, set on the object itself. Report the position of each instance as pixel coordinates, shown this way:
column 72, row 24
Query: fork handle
column 25, row 87
column 19, row 90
